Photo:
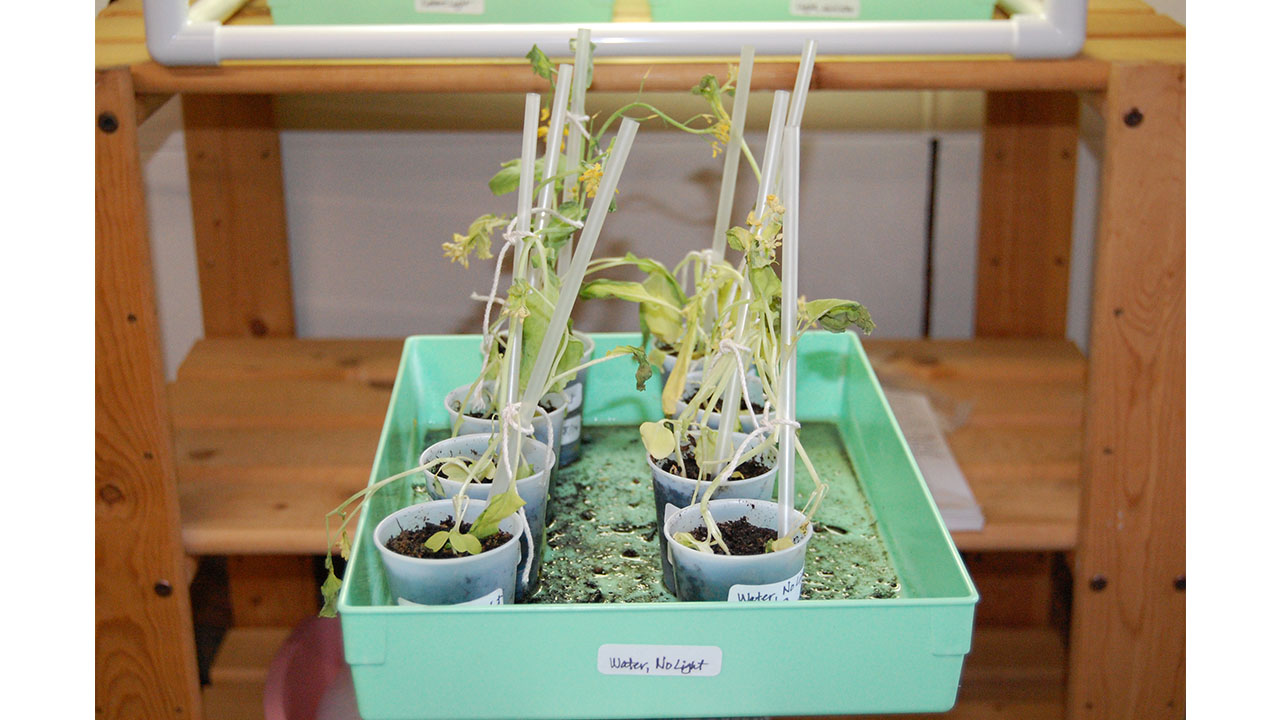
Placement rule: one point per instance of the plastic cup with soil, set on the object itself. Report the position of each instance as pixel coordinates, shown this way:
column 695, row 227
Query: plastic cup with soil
column 747, row 420
column 481, row 419
column 753, row 479
column 533, row 490
column 488, row 578
column 749, row 574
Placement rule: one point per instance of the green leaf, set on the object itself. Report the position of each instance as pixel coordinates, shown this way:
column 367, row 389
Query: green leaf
column 839, row 315
column 689, row 541
column 464, row 542
column 330, row 590
column 437, row 541
column 558, row 231
column 738, row 238
column 542, row 66
column 498, row 509
column 621, row 289
column 344, row 545
column 708, row 87
column 508, row 178
column 778, row 545
column 658, row 439
column 643, row 370
column 765, row 282
column 454, row 470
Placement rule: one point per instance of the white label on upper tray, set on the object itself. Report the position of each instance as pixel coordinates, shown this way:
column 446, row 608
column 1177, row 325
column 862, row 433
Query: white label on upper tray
column 683, row 660
column 788, row 589
column 454, row 7
column 493, row 598
column 827, row 8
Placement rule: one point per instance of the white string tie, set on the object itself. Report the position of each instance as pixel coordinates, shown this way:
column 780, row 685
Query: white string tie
column 578, row 122
column 512, row 237
column 727, row 346
column 553, row 213
column 511, row 418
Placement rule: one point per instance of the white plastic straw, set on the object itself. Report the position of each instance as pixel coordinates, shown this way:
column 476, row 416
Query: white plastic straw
column 574, row 147
column 555, row 134
column 772, row 149
column 768, row 171
column 524, row 211
column 790, row 272
column 803, row 77
column 733, row 151
column 551, row 156
column 578, row 268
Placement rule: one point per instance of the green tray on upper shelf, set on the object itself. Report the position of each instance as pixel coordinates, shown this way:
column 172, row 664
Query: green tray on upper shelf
column 889, row 644
column 819, row 10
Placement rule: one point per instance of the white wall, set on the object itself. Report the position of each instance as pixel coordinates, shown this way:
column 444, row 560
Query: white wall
column 367, row 212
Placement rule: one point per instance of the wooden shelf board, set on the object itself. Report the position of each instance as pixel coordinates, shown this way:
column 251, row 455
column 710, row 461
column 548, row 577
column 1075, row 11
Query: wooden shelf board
column 1010, row 674
column 272, row 434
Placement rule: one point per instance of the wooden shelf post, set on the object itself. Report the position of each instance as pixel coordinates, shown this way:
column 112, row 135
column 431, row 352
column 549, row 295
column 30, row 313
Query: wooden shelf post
column 1028, row 192
column 145, row 650
column 237, row 211
column 1128, row 629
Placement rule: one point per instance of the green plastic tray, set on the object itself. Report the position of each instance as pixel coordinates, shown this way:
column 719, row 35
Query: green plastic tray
column 363, row 12
column 819, row 10
column 901, row 654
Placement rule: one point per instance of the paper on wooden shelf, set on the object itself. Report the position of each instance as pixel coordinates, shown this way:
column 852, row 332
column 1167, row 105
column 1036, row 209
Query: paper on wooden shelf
column 959, row 508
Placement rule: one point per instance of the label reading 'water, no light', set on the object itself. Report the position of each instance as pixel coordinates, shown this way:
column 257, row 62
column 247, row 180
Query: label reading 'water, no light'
column 682, row 660
column 788, row 589
column 847, row 9
column 454, row 7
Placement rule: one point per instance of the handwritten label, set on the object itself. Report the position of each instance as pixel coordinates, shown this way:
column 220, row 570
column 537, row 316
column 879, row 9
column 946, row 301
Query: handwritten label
column 827, row 8
column 678, row 660
column 453, row 7
column 788, row 589
column 493, row 598
column 571, row 430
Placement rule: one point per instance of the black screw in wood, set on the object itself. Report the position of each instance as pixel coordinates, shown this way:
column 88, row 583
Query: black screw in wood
column 1098, row 583
column 1133, row 118
column 1180, row 583
column 108, row 123
column 163, row 588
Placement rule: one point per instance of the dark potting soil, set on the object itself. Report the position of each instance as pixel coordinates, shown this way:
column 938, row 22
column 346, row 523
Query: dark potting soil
column 757, row 409
column 412, row 543
column 548, row 407
column 742, row 537
column 749, row 469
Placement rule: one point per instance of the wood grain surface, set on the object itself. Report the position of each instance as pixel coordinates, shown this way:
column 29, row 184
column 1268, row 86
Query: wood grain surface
column 1028, row 197
column 1128, row 634
column 237, row 211
column 144, row 649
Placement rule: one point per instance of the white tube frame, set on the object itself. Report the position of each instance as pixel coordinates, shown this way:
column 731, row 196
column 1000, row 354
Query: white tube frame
column 182, row 34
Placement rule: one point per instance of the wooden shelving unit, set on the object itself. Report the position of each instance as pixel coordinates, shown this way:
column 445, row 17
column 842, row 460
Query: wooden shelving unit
column 262, row 433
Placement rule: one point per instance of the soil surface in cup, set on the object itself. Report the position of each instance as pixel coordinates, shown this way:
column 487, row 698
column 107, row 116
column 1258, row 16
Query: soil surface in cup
column 742, row 537
column 757, row 409
column 749, row 469
column 412, row 542
column 494, row 415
